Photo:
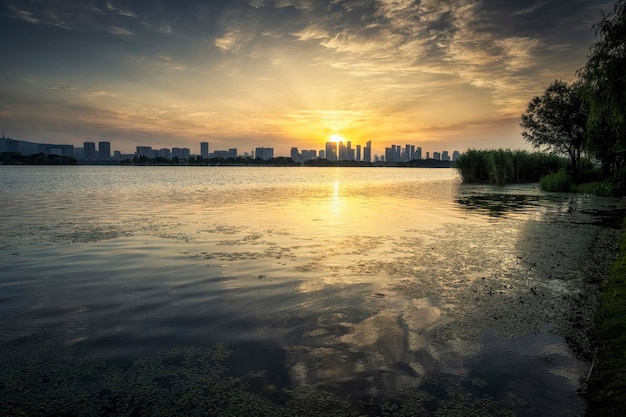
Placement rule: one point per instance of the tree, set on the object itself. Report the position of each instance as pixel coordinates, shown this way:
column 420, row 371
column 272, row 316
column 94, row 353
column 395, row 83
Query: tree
column 604, row 80
column 556, row 121
column 603, row 74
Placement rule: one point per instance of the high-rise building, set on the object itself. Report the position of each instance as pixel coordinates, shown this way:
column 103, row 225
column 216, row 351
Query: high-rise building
column 232, row 153
column 418, row 153
column 144, row 151
column 445, row 156
column 455, row 155
column 89, row 151
column 342, row 153
column 296, row 156
column 264, row 153
column 436, row 156
column 367, row 152
column 358, row 153
column 104, row 151
column 204, row 150
column 181, row 153
column 331, row 151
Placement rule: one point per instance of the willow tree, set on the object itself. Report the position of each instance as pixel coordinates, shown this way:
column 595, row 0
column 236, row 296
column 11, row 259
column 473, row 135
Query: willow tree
column 556, row 121
column 604, row 78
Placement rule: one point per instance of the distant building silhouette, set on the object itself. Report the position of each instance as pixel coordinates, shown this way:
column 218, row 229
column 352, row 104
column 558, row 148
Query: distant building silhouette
column 264, row 153
column 295, row 155
column 164, row 153
column 89, row 151
column 30, row 148
column 367, row 152
column 331, row 151
column 104, row 151
column 204, row 150
column 181, row 153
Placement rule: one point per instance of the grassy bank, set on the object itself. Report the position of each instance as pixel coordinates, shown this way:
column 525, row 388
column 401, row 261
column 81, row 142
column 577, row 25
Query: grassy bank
column 606, row 389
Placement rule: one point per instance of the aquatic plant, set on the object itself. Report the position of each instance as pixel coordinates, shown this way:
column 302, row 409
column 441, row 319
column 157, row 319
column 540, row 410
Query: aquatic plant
column 505, row 166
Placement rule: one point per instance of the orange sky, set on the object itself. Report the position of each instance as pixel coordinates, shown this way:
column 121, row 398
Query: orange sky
column 446, row 75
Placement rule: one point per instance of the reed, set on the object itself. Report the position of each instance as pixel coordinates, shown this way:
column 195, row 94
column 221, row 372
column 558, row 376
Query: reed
column 505, row 166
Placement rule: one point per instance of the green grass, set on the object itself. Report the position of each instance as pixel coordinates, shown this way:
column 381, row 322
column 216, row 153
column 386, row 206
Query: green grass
column 606, row 388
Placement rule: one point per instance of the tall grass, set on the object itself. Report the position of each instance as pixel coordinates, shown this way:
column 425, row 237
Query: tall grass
column 506, row 166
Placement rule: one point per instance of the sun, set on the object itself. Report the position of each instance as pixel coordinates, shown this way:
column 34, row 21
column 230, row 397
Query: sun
column 336, row 138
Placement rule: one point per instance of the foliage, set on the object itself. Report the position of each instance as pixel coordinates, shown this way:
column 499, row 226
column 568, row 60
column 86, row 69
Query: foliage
column 559, row 181
column 606, row 389
column 501, row 164
column 603, row 73
column 556, row 121
column 605, row 90
column 607, row 143
column 506, row 166
column 17, row 158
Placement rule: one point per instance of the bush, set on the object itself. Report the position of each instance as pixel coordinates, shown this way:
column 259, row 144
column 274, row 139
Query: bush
column 560, row 182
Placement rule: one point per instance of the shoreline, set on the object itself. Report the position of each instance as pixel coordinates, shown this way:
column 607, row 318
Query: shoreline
column 605, row 391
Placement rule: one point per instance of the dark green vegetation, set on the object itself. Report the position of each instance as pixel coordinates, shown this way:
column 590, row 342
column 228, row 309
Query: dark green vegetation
column 584, row 117
column 39, row 379
column 606, row 389
column 198, row 161
column 16, row 158
column 505, row 166
column 282, row 161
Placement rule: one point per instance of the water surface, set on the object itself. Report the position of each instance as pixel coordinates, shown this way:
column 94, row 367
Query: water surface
column 374, row 284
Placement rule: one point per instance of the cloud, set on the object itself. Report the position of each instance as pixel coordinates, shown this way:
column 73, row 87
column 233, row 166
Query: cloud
column 233, row 40
column 121, row 9
column 120, row 31
column 42, row 16
column 532, row 8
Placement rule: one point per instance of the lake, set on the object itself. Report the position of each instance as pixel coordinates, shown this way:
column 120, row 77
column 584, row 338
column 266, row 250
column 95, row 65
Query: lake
column 139, row 290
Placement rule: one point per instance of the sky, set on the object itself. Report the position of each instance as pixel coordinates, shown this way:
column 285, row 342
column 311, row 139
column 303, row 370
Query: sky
column 440, row 74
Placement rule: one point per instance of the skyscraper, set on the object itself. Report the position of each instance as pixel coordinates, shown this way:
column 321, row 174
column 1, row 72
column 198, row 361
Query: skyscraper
column 342, row 154
column 104, row 151
column 295, row 154
column 89, row 151
column 331, row 151
column 204, row 149
column 367, row 152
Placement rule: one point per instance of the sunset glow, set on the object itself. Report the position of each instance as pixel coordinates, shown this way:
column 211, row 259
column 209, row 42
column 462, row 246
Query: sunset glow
column 440, row 75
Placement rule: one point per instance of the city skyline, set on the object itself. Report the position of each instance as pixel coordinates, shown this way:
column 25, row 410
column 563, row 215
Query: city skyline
column 446, row 75
column 335, row 150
